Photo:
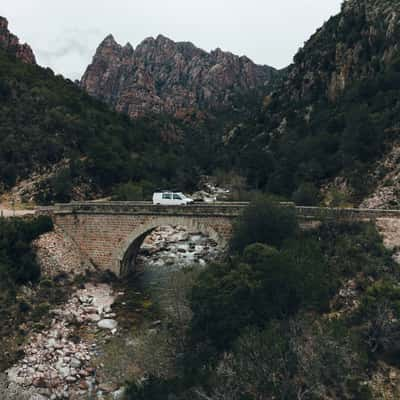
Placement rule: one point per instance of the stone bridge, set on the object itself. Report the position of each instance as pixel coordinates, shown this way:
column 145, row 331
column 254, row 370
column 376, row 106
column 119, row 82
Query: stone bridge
column 110, row 234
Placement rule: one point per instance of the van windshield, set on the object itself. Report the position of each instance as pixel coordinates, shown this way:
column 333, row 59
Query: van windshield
column 177, row 197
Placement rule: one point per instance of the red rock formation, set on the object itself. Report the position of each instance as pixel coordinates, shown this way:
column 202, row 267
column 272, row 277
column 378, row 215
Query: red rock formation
column 11, row 44
column 163, row 76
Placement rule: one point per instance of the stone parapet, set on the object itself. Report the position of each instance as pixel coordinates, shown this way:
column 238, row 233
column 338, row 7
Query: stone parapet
column 221, row 209
column 110, row 234
column 349, row 214
column 148, row 208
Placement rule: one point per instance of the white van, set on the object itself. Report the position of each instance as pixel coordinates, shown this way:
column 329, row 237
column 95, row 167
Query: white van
column 171, row 199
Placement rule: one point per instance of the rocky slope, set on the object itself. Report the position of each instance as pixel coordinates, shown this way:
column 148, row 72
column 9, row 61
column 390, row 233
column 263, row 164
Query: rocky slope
column 351, row 47
column 336, row 112
column 387, row 175
column 70, row 354
column 162, row 76
column 57, row 362
column 11, row 44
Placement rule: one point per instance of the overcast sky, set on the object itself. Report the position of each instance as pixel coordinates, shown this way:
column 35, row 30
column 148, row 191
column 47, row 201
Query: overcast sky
column 64, row 34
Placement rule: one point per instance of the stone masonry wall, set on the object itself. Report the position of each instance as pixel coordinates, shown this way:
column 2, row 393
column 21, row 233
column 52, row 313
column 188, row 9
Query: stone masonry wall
column 105, row 238
column 56, row 253
column 106, row 231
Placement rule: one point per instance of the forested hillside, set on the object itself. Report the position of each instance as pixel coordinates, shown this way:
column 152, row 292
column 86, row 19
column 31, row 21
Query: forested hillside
column 327, row 132
column 48, row 124
column 335, row 114
column 289, row 310
column 327, row 128
column 79, row 148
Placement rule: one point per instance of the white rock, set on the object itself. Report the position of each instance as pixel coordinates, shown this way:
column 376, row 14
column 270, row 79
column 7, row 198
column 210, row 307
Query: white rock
column 119, row 394
column 64, row 371
column 37, row 397
column 75, row 363
column 107, row 324
column 93, row 317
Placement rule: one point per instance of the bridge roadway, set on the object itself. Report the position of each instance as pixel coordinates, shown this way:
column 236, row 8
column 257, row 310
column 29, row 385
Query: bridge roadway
column 233, row 209
column 110, row 234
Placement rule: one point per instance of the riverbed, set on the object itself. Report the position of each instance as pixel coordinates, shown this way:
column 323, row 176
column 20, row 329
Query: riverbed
column 110, row 331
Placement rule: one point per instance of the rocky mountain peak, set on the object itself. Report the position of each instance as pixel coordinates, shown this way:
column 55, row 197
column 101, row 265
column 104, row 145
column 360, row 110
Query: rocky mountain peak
column 10, row 43
column 128, row 49
column 163, row 76
column 163, row 39
column 3, row 23
column 109, row 41
column 108, row 48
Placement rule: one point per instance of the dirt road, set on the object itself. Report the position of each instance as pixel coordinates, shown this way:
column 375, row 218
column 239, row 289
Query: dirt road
column 6, row 212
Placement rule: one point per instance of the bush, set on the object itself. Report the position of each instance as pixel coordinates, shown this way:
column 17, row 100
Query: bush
column 40, row 311
column 24, row 307
column 61, row 185
column 378, row 311
column 133, row 191
column 291, row 360
column 264, row 221
column 261, row 362
column 151, row 389
column 128, row 192
column 16, row 257
column 263, row 285
column 355, row 247
column 307, row 195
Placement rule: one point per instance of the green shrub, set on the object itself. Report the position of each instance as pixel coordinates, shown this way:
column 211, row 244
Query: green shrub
column 24, row 307
column 355, row 247
column 256, row 253
column 40, row 311
column 307, row 194
column 263, row 285
column 46, row 283
column 128, row 192
column 61, row 186
column 378, row 313
column 133, row 191
column 264, row 221
column 152, row 388
column 16, row 257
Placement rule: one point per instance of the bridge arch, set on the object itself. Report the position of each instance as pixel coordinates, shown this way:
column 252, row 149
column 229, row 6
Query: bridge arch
column 125, row 255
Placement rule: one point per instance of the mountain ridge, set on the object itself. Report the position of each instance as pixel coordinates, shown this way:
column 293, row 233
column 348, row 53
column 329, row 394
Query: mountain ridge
column 11, row 44
column 333, row 119
column 163, row 76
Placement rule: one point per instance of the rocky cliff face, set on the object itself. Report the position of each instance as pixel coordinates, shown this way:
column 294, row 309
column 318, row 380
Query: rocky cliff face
column 11, row 44
column 350, row 47
column 163, row 76
column 335, row 113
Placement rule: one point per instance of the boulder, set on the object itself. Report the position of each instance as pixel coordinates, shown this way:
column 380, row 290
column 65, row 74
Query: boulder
column 107, row 324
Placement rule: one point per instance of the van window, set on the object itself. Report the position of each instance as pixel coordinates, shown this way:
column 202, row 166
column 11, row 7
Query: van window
column 177, row 197
column 167, row 196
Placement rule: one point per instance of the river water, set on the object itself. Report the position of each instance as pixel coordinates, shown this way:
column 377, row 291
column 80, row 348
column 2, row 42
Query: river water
column 169, row 251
